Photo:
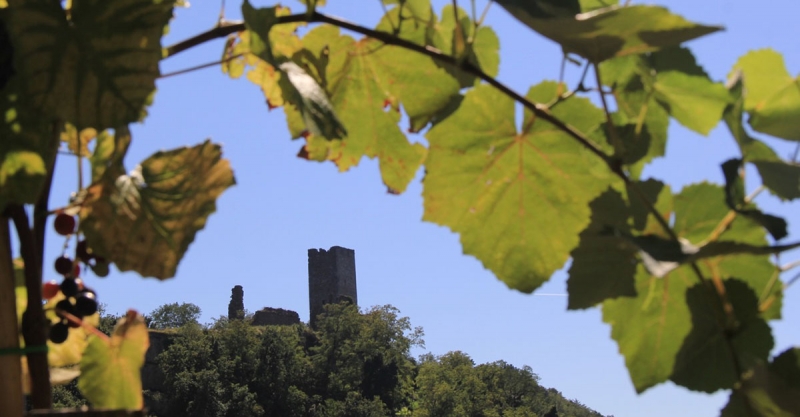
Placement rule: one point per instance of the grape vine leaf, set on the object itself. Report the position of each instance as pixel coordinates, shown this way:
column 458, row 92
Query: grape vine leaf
column 735, row 198
column 368, row 81
column 144, row 221
column 781, row 178
column 650, row 327
column 603, row 265
column 705, row 362
column 483, row 52
column 297, row 86
column 110, row 369
column 684, row 89
column 518, row 199
column 773, row 96
column 94, row 67
column 771, row 390
column 525, row 10
column 591, row 5
column 614, row 31
column 25, row 148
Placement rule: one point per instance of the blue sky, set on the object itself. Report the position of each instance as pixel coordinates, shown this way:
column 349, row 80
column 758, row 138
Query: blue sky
column 282, row 206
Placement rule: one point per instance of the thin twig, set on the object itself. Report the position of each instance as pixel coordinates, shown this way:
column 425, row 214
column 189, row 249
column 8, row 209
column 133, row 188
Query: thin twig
column 199, row 67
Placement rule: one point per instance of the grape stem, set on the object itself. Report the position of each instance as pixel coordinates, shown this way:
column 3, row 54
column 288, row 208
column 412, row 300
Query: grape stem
column 86, row 326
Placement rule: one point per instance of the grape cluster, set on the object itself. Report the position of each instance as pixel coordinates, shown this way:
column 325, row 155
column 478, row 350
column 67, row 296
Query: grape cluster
column 79, row 300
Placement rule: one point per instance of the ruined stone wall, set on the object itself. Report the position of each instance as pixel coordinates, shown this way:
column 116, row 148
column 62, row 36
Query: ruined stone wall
column 331, row 278
column 275, row 317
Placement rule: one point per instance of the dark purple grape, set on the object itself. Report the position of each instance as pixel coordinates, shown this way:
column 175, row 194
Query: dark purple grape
column 64, row 224
column 69, row 287
column 86, row 303
column 59, row 332
column 64, row 265
column 82, row 252
column 66, row 306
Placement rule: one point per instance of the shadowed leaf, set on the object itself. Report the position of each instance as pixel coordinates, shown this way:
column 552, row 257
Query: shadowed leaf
column 97, row 67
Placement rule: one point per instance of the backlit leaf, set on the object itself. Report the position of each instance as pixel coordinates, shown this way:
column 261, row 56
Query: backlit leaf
column 144, row 221
column 483, row 53
column 615, row 31
column 367, row 81
column 111, row 368
column 518, row 199
column 95, row 68
column 296, row 85
column 772, row 96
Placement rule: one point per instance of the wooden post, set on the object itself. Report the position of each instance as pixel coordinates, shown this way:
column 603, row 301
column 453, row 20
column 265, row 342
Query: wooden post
column 11, row 399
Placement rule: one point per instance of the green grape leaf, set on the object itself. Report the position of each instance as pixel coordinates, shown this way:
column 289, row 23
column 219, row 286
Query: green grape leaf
column 145, row 221
column 699, row 209
column 591, row 5
column 735, row 198
column 25, row 146
column 483, row 52
column 368, row 81
column 650, row 327
column 313, row 3
column 752, row 149
column 782, row 178
column 773, row 96
column 111, row 368
column 683, row 88
column 603, row 264
column 525, row 10
column 615, row 31
column 641, row 121
column 501, row 189
column 94, row 67
column 719, row 347
column 772, row 390
column 296, row 85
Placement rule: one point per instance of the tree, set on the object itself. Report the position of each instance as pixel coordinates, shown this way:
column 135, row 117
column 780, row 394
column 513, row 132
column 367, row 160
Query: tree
column 567, row 185
column 174, row 315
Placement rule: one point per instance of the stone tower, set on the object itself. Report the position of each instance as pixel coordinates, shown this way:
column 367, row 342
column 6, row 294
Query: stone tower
column 236, row 306
column 331, row 278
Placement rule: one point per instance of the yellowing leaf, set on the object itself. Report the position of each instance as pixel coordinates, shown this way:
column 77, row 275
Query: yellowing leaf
column 74, row 140
column 111, row 369
column 96, row 68
column 146, row 220
column 518, row 199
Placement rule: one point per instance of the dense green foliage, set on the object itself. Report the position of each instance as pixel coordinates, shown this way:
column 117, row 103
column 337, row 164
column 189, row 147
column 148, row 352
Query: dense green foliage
column 174, row 315
column 564, row 185
column 355, row 364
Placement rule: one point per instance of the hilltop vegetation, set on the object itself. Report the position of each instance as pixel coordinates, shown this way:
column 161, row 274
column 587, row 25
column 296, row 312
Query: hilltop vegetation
column 355, row 363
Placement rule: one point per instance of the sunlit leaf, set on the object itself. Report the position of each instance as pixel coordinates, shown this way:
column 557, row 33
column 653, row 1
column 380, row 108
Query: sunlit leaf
column 649, row 328
column 368, row 81
column 720, row 345
column 484, row 48
column 772, row 96
column 518, row 199
column 78, row 143
column 111, row 368
column 145, row 220
column 95, row 67
column 615, row 31
column 297, row 86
